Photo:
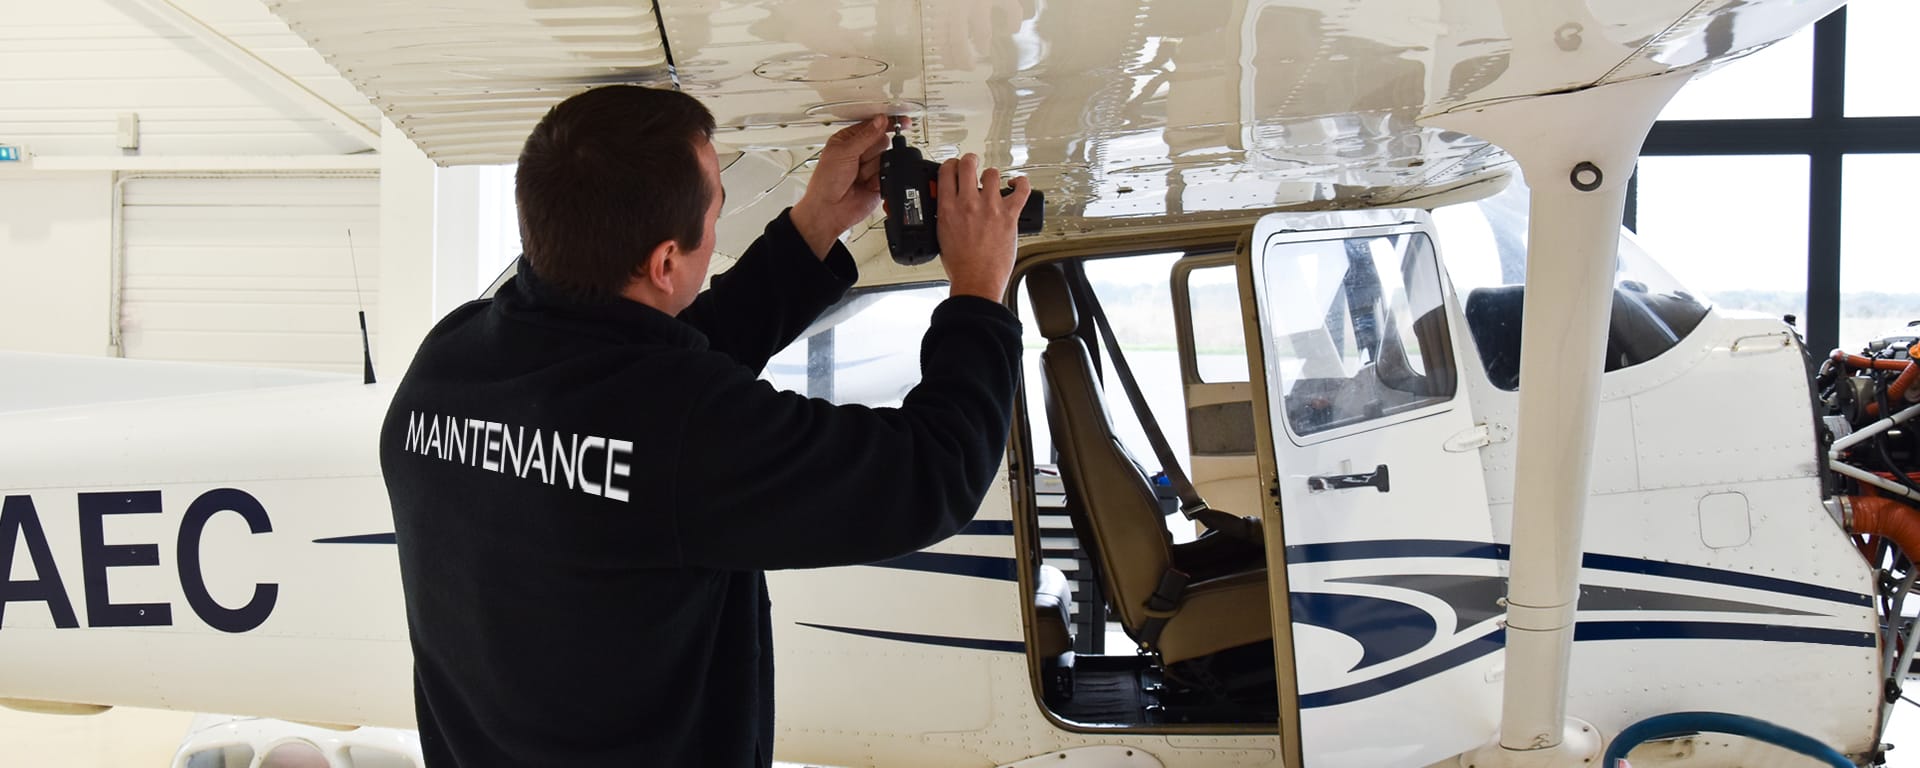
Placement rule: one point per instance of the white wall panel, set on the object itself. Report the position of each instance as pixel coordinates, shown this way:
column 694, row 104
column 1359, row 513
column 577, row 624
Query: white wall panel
column 250, row 271
column 69, row 68
column 55, row 235
column 408, row 228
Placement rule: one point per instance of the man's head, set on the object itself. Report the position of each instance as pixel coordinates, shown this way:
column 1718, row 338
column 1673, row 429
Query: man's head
column 618, row 190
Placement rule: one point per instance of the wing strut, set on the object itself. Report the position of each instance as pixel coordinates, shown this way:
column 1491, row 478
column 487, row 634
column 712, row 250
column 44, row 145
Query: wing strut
column 1577, row 150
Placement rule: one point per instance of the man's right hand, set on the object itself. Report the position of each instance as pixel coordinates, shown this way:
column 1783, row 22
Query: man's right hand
column 977, row 228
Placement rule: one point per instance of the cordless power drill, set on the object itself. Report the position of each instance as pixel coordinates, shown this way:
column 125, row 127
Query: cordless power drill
column 909, row 189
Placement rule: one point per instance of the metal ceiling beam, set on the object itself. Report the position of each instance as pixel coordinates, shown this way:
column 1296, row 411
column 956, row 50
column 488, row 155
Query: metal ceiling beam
column 366, row 161
column 258, row 68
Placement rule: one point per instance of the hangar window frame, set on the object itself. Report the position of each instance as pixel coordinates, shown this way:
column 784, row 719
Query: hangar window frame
column 1827, row 137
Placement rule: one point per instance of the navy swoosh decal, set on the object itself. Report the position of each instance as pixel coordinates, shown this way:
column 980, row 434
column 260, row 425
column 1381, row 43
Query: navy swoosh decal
column 980, row 566
column 988, row 528
column 1474, row 599
column 1597, row 598
column 1589, row 631
column 1404, row 548
column 1717, row 576
column 1386, row 629
column 1473, row 649
column 1707, row 630
column 1393, row 548
column 1000, row 646
column 365, row 538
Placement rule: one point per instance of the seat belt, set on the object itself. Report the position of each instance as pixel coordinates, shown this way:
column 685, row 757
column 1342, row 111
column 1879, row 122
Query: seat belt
column 1191, row 505
column 1164, row 601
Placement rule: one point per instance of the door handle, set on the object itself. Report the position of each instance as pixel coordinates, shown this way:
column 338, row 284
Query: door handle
column 1377, row 479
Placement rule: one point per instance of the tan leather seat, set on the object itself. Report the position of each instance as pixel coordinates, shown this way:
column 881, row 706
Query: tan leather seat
column 1114, row 509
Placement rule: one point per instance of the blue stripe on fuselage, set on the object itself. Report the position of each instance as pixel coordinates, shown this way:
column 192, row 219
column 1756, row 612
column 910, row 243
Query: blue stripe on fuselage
column 981, row 566
column 1404, row 548
column 1000, row 646
column 365, row 538
column 1588, row 631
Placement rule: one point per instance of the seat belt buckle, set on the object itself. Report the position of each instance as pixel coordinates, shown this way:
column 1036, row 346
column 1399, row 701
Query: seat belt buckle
column 1166, row 596
column 1164, row 493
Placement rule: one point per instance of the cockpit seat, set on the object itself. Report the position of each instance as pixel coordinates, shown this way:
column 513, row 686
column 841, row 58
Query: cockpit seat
column 1053, row 631
column 1052, row 612
column 1116, row 515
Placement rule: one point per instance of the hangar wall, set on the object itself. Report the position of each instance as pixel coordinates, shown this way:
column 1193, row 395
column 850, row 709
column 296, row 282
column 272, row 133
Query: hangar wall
column 70, row 69
column 252, row 270
column 248, row 170
column 55, row 234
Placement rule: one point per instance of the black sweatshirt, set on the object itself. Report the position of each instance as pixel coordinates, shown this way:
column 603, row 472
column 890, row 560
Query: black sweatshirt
column 586, row 495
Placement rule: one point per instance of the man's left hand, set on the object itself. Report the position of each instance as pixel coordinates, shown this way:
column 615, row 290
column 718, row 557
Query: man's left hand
column 845, row 187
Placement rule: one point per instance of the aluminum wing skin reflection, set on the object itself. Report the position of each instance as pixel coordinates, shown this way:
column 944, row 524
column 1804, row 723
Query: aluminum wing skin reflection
column 1160, row 110
column 467, row 79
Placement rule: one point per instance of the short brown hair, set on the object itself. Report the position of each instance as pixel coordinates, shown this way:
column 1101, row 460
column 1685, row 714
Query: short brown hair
column 605, row 177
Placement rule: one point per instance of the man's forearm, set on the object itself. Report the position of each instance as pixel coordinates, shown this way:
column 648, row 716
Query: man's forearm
column 814, row 229
column 774, row 292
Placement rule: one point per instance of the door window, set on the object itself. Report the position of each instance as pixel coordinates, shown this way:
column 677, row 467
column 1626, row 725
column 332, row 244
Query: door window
column 1359, row 329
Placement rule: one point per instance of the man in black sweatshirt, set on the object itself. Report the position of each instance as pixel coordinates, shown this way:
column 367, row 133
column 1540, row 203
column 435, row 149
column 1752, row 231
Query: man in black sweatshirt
column 588, row 478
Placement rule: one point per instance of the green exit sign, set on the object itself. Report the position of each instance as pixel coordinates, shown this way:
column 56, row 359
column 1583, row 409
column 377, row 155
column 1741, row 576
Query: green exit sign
column 9, row 154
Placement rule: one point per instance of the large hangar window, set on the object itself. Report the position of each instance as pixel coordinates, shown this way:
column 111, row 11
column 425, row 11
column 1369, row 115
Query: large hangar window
column 1879, row 276
column 1756, row 259
column 1880, row 58
column 1780, row 183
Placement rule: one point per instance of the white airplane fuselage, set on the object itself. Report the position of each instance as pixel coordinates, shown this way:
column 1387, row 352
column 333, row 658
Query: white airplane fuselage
column 142, row 576
column 219, row 540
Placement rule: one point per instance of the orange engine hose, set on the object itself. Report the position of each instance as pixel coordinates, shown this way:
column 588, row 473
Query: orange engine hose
column 1909, row 373
column 1889, row 518
column 1861, row 361
column 1898, row 389
column 1900, row 385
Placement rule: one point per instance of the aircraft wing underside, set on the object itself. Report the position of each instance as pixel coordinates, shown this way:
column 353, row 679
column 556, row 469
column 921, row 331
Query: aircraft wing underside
column 1121, row 112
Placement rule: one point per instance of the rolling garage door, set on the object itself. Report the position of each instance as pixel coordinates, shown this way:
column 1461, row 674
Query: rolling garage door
column 252, row 271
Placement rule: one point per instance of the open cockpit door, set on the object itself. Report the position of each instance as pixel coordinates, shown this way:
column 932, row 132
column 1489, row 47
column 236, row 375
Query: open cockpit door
column 1368, row 444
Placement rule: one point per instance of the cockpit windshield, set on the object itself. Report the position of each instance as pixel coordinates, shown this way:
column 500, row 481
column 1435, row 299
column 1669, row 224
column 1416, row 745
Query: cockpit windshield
column 1485, row 244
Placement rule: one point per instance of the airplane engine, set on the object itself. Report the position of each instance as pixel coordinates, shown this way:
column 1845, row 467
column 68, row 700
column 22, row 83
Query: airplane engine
column 1870, row 401
column 1860, row 390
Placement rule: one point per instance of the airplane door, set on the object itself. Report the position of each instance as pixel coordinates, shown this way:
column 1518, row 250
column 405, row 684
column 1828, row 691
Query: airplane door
column 1368, row 443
